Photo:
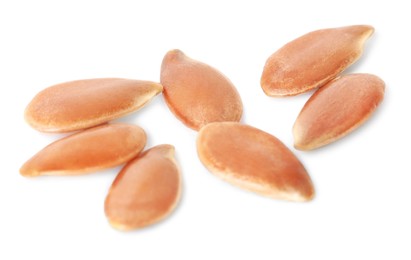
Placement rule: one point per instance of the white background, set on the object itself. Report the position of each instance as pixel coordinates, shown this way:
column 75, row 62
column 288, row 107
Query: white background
column 363, row 182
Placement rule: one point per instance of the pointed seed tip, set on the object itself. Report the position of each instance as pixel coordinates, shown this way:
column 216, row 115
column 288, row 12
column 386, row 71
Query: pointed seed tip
column 26, row 173
column 175, row 53
column 159, row 88
column 118, row 226
column 171, row 149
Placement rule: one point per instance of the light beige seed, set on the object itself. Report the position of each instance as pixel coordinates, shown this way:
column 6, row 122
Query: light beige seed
column 145, row 191
column 86, row 103
column 254, row 160
column 88, row 151
column 337, row 109
column 196, row 93
column 313, row 59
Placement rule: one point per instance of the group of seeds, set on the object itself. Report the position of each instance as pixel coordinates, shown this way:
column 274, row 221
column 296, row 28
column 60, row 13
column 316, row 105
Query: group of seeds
column 148, row 187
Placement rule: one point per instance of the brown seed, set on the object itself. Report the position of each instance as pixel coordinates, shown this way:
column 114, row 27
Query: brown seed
column 337, row 109
column 145, row 191
column 313, row 59
column 82, row 104
column 88, row 151
column 254, row 160
column 196, row 93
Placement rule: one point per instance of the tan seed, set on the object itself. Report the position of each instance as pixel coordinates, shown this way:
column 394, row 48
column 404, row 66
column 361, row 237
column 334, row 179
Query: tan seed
column 88, row 151
column 145, row 191
column 254, row 160
column 197, row 93
column 337, row 109
column 313, row 59
column 82, row 104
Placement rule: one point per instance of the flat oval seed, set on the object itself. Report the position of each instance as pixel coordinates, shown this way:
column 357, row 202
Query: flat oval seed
column 313, row 59
column 254, row 160
column 88, row 151
column 337, row 109
column 82, row 104
column 196, row 93
column 145, row 191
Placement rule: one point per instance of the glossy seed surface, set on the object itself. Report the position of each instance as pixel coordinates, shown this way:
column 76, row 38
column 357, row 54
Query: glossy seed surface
column 87, row 151
column 313, row 59
column 254, row 160
column 197, row 93
column 337, row 109
column 145, row 191
column 86, row 103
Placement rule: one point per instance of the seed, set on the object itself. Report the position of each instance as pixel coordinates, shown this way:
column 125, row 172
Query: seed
column 82, row 104
column 337, row 109
column 313, row 59
column 254, row 160
column 88, row 151
column 145, row 191
column 197, row 93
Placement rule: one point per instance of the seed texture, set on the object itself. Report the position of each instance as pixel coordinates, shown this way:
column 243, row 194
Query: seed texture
column 254, row 160
column 312, row 60
column 82, row 104
column 197, row 93
column 337, row 109
column 88, row 151
column 145, row 191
